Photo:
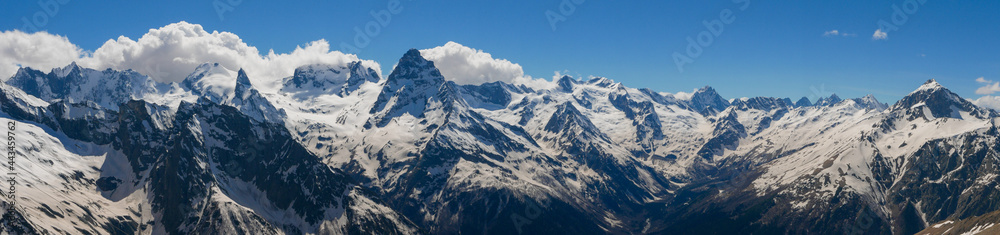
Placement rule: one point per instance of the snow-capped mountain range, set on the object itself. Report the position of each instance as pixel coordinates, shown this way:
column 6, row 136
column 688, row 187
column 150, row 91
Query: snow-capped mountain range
column 340, row 150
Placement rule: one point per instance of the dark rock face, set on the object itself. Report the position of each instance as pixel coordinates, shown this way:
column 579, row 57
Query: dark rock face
column 643, row 116
column 761, row 103
column 494, row 95
column 803, row 102
column 950, row 178
column 568, row 120
column 953, row 166
column 707, row 102
column 726, row 135
column 912, row 200
column 359, row 75
column 107, row 88
column 828, row 101
column 566, row 83
column 13, row 222
column 940, row 102
column 410, row 83
column 206, row 150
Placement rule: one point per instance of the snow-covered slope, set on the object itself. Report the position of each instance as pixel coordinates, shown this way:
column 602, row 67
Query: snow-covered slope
column 931, row 156
column 75, row 84
column 196, row 168
column 335, row 148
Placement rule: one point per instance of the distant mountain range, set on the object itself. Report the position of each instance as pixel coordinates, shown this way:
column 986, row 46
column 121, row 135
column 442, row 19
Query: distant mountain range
column 340, row 150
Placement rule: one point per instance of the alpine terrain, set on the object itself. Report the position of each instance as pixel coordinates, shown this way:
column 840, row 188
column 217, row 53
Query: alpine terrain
column 340, row 149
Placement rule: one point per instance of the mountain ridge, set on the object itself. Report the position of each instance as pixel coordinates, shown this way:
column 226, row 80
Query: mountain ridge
column 583, row 156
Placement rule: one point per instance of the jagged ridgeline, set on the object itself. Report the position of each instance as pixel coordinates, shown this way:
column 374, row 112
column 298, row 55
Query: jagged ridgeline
column 337, row 149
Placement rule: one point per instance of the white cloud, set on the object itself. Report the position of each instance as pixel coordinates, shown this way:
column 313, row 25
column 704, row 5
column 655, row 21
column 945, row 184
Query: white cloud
column 988, row 89
column 880, row 35
column 838, row 33
column 684, row 95
column 168, row 54
column 466, row 65
column 39, row 50
column 535, row 83
column 992, row 102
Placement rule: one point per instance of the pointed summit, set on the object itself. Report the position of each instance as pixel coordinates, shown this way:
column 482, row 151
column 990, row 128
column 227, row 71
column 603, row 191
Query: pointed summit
column 930, row 84
column 803, row 102
column 572, row 127
column 829, row 101
column 242, row 79
column 243, row 87
column 413, row 53
column 566, row 83
column 359, row 74
column 71, row 66
column 65, row 71
column 407, row 90
column 939, row 101
column 249, row 101
column 708, row 102
column 869, row 102
column 413, row 66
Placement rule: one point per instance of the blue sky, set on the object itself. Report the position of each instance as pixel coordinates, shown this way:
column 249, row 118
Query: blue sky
column 771, row 48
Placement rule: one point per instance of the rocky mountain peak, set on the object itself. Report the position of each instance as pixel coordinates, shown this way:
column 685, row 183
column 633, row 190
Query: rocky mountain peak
column 566, row 83
column 707, row 101
column 939, row 101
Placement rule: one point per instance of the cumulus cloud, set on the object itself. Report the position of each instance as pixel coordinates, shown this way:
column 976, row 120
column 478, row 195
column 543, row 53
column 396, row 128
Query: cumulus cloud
column 169, row 54
column 880, row 35
column 992, row 102
column 989, row 88
column 38, row 50
column 466, row 65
